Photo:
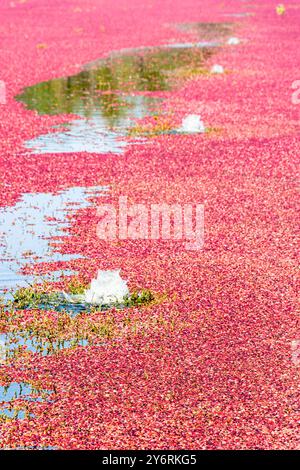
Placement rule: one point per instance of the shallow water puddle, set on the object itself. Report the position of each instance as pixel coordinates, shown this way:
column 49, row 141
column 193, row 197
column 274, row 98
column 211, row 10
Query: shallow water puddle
column 19, row 390
column 94, row 134
column 104, row 95
column 27, row 229
column 10, row 344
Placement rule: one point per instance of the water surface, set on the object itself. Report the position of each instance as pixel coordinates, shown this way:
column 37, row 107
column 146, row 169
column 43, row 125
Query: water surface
column 27, row 228
column 15, row 391
column 107, row 96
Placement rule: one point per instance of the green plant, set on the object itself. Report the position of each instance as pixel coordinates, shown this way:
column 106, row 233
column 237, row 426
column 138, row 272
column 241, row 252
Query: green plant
column 34, row 296
column 137, row 298
column 156, row 126
column 76, row 287
column 26, row 297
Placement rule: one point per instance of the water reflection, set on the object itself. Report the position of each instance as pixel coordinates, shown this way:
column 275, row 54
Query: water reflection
column 27, row 229
column 26, row 391
column 104, row 95
column 98, row 87
column 19, row 390
column 95, row 134
column 11, row 344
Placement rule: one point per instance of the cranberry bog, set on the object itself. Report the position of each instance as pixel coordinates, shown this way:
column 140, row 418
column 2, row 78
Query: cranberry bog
column 149, row 154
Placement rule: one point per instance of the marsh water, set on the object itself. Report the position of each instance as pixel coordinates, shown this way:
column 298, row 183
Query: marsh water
column 104, row 101
column 107, row 96
column 28, row 227
column 19, row 391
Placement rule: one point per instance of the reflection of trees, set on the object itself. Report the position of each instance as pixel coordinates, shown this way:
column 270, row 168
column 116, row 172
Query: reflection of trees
column 150, row 75
column 92, row 90
column 78, row 95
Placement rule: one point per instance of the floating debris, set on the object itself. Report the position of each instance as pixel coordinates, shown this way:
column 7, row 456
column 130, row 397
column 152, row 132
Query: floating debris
column 280, row 9
column 233, row 41
column 108, row 291
column 108, row 288
column 192, row 124
column 217, row 69
column 107, row 96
